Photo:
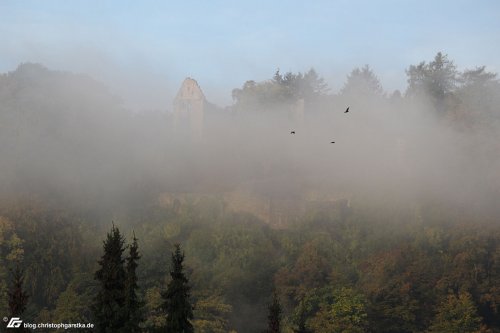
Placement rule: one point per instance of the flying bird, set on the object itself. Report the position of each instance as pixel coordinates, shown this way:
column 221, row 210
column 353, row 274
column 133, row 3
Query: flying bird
column 292, row 132
column 332, row 142
column 346, row 110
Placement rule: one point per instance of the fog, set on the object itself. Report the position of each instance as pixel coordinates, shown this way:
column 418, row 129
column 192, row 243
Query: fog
column 259, row 192
column 222, row 127
column 66, row 138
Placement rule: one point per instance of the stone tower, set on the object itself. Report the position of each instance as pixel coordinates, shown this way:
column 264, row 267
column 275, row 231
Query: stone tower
column 189, row 106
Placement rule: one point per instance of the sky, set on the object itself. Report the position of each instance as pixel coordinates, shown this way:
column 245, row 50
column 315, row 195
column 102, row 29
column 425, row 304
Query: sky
column 143, row 50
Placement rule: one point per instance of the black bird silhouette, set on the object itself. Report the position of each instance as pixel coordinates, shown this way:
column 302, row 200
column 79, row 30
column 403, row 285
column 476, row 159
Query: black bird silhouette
column 332, row 142
column 346, row 110
column 292, row 132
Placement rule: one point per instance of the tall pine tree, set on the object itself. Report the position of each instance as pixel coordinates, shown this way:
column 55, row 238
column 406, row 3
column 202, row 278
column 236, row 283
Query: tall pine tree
column 176, row 298
column 109, row 305
column 132, row 303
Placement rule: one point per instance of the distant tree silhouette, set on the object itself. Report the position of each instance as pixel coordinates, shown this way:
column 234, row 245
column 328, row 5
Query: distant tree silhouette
column 435, row 79
column 283, row 90
column 362, row 82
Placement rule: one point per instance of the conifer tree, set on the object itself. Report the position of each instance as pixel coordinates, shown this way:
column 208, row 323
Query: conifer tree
column 109, row 305
column 176, row 298
column 274, row 316
column 18, row 298
column 133, row 304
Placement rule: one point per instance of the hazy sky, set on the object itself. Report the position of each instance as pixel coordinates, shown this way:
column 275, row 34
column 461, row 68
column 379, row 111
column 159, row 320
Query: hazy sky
column 144, row 49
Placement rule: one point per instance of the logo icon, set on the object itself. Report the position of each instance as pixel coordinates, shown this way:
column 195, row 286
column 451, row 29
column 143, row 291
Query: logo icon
column 14, row 322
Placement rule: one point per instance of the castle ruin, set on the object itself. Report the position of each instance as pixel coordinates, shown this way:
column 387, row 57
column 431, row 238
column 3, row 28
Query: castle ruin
column 189, row 107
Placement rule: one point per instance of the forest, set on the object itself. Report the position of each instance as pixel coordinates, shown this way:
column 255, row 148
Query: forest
column 401, row 235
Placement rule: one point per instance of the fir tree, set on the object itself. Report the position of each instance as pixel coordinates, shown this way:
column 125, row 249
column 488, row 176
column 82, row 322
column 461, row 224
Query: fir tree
column 274, row 316
column 18, row 298
column 133, row 304
column 109, row 305
column 176, row 298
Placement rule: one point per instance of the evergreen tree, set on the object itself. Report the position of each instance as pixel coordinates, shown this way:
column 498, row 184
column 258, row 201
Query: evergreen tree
column 109, row 305
column 18, row 298
column 274, row 316
column 176, row 298
column 133, row 304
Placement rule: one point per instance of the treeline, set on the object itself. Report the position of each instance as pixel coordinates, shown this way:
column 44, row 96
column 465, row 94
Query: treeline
column 437, row 81
column 469, row 99
column 405, row 269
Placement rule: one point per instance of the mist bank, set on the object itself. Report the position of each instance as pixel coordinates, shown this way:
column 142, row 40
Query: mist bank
column 65, row 138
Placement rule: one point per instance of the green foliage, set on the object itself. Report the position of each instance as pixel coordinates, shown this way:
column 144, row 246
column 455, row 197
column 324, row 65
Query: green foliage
column 310, row 270
column 176, row 302
column 331, row 310
column 155, row 318
column 211, row 314
column 54, row 250
column 244, row 259
column 70, row 307
column 73, row 304
column 308, row 306
column 394, row 285
column 456, row 315
column 330, row 270
column 347, row 313
column 11, row 253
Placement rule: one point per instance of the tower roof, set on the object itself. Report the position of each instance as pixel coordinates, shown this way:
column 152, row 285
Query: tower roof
column 190, row 90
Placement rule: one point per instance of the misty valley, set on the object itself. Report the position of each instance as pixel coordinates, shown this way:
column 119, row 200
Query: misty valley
column 297, row 208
